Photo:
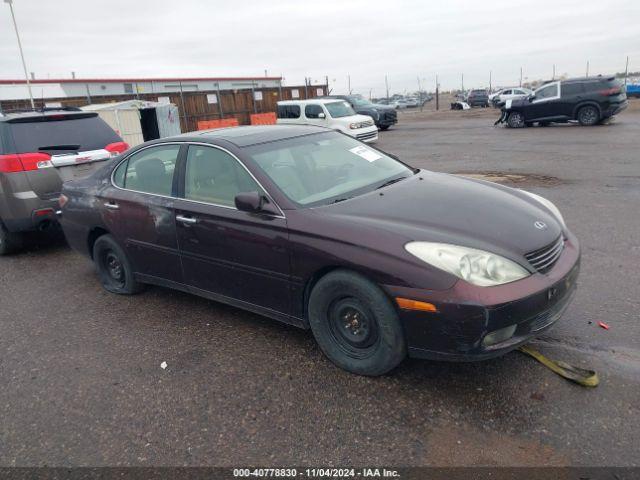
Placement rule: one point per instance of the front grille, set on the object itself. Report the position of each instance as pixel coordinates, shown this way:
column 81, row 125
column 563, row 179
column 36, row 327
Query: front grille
column 366, row 136
column 545, row 258
column 391, row 115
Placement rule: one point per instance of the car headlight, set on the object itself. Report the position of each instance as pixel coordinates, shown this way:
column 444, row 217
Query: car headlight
column 547, row 203
column 478, row 267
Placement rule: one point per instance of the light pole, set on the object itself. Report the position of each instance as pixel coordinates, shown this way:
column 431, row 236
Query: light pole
column 24, row 65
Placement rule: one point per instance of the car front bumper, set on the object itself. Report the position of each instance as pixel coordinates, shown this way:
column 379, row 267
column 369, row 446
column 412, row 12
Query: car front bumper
column 467, row 314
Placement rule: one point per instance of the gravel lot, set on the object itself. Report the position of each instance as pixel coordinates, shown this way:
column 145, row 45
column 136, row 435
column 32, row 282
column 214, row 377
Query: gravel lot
column 82, row 383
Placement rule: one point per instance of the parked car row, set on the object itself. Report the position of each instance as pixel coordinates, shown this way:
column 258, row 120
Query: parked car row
column 305, row 224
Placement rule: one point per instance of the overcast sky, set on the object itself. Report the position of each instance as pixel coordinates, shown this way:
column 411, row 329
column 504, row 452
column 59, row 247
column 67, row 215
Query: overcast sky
column 365, row 39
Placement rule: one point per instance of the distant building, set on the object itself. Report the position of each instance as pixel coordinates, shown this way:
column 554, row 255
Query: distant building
column 92, row 87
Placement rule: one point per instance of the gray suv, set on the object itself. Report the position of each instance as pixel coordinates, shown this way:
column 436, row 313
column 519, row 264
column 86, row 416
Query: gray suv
column 39, row 150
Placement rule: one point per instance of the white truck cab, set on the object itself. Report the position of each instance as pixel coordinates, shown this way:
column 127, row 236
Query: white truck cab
column 331, row 113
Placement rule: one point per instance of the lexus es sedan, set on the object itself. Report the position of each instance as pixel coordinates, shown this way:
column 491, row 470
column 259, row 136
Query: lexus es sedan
column 314, row 228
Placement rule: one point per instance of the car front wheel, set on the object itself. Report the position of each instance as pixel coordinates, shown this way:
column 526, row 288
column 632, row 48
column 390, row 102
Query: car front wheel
column 588, row 116
column 114, row 268
column 516, row 120
column 355, row 324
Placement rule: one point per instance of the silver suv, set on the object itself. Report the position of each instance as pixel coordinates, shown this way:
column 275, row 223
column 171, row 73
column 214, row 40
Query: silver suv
column 39, row 150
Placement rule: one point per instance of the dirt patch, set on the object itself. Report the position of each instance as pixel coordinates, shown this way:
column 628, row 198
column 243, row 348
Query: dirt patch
column 465, row 446
column 514, row 179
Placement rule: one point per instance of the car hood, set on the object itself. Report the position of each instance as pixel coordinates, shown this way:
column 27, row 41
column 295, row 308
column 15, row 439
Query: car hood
column 517, row 102
column 446, row 208
column 381, row 106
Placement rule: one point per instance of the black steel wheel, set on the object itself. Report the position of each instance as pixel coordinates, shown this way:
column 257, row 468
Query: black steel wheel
column 588, row 116
column 113, row 266
column 355, row 324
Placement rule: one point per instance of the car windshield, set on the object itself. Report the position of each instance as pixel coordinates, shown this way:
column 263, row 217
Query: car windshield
column 339, row 109
column 360, row 102
column 325, row 168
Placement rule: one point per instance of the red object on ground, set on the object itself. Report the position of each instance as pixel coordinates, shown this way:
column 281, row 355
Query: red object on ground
column 221, row 123
column 603, row 325
column 263, row 118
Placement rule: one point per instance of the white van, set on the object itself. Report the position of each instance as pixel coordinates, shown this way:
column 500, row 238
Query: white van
column 330, row 113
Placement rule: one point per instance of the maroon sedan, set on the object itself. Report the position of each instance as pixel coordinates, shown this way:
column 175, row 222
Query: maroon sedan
column 313, row 228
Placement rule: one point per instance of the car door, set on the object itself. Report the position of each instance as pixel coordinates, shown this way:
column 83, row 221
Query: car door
column 315, row 114
column 546, row 103
column 226, row 252
column 140, row 206
column 571, row 94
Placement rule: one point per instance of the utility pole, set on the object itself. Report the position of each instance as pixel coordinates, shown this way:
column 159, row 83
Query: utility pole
column 349, row 84
column 553, row 77
column 587, row 68
column 437, row 94
column 24, row 65
column 626, row 71
column 463, row 83
column 520, row 76
column 386, row 82
column 420, row 93
column 490, row 72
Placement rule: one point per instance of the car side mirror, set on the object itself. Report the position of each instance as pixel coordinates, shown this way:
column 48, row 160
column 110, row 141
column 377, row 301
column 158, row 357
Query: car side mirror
column 322, row 115
column 254, row 202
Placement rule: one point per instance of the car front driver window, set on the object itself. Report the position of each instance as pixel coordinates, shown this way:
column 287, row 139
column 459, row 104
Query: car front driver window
column 214, row 176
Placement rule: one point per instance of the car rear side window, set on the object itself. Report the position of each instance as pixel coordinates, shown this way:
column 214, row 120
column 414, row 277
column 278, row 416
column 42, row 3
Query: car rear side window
column 313, row 111
column 149, row 170
column 288, row 111
column 570, row 89
column 214, row 176
column 65, row 134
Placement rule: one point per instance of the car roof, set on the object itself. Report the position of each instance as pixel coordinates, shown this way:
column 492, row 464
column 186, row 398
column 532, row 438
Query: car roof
column 245, row 136
column 599, row 78
column 24, row 115
column 309, row 100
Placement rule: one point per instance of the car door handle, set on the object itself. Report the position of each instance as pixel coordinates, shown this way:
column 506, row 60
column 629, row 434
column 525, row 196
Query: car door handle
column 112, row 205
column 187, row 220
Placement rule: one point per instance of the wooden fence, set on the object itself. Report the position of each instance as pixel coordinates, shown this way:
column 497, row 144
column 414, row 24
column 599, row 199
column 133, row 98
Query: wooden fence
column 197, row 106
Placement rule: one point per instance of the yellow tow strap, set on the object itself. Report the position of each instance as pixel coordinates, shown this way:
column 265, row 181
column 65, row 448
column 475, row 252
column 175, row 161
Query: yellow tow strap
column 586, row 378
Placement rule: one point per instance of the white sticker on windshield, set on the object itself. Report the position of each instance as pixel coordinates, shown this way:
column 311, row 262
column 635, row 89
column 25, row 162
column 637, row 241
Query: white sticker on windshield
column 366, row 153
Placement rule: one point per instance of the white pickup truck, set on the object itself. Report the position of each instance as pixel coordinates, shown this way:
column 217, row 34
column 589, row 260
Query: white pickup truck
column 330, row 113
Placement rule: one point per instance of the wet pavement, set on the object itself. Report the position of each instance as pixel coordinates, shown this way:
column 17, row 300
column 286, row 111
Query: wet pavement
column 82, row 382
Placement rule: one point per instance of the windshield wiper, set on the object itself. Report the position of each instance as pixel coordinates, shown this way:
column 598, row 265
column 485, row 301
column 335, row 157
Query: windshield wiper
column 389, row 182
column 338, row 200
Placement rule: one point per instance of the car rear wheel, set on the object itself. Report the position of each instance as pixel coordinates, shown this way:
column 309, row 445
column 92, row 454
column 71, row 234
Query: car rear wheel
column 355, row 324
column 114, row 268
column 516, row 120
column 9, row 242
column 588, row 116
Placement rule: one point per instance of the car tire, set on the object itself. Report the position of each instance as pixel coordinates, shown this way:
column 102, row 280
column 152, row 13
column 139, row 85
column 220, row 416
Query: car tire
column 384, row 127
column 516, row 120
column 355, row 324
column 9, row 242
column 113, row 267
column 588, row 116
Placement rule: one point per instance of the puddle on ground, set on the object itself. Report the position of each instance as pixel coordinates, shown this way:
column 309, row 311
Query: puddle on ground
column 514, row 179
